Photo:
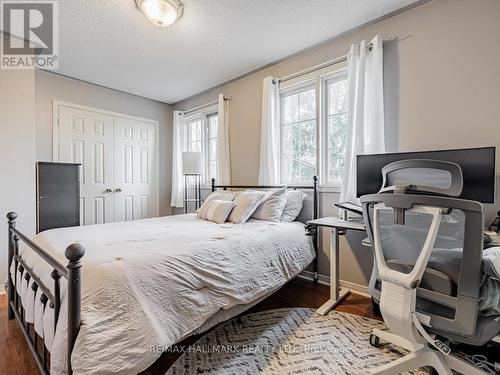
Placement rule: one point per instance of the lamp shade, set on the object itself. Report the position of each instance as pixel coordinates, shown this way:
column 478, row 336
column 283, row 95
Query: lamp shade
column 191, row 163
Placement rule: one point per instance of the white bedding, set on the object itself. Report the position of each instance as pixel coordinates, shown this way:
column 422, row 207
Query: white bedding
column 152, row 282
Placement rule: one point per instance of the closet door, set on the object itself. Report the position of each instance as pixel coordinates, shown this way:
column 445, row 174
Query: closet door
column 134, row 173
column 86, row 137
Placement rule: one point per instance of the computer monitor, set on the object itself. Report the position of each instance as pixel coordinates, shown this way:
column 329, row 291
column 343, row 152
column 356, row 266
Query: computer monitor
column 477, row 164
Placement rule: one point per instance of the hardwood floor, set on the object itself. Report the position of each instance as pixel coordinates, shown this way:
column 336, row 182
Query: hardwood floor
column 16, row 359
column 15, row 355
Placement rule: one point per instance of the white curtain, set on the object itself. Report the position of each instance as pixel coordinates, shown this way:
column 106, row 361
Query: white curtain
column 365, row 132
column 177, row 148
column 223, row 150
column 269, row 136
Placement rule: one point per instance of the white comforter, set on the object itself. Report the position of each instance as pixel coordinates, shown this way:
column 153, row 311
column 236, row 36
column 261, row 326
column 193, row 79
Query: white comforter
column 149, row 283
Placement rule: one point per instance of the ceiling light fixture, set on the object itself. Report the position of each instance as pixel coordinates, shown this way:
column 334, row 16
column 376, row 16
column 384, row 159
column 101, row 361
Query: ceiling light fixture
column 161, row 13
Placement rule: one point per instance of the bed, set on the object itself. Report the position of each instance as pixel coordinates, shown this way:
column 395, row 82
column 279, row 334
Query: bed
column 144, row 285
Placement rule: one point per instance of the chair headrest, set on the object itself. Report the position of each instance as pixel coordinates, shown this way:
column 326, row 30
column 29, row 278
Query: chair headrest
column 433, row 177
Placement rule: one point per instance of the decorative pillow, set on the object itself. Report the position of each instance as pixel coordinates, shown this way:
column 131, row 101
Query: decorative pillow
column 204, row 212
column 271, row 209
column 293, row 205
column 219, row 195
column 245, row 203
column 218, row 210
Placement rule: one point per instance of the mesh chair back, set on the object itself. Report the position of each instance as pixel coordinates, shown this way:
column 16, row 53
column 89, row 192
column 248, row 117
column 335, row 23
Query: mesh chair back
column 448, row 294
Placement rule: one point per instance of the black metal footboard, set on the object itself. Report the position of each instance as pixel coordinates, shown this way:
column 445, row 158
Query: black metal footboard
column 71, row 272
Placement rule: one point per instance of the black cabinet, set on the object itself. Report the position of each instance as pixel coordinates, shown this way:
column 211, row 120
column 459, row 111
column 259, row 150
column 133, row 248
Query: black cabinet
column 58, row 195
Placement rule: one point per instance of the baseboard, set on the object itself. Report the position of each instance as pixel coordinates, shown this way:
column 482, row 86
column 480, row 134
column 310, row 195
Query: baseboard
column 2, row 289
column 356, row 288
column 325, row 280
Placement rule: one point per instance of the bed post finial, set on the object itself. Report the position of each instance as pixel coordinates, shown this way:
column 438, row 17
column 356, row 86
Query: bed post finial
column 11, row 217
column 73, row 253
column 213, row 184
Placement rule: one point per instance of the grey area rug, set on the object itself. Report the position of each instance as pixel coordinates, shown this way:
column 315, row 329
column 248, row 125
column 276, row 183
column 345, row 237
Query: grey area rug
column 287, row 341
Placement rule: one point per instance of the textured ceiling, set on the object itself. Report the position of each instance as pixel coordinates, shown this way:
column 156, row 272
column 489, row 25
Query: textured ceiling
column 110, row 43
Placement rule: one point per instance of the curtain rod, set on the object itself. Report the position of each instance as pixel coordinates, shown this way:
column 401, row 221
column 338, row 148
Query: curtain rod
column 203, row 106
column 331, row 62
column 312, row 69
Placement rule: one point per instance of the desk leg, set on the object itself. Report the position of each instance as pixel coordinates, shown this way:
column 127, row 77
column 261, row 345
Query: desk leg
column 336, row 295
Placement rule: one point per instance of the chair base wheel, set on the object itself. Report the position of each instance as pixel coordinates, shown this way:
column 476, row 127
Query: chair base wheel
column 374, row 341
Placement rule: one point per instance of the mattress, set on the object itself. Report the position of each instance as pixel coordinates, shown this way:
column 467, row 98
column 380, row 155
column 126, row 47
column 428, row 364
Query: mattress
column 147, row 284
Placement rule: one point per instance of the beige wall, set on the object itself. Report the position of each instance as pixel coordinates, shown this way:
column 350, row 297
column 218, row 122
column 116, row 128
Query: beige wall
column 50, row 86
column 17, row 155
column 449, row 94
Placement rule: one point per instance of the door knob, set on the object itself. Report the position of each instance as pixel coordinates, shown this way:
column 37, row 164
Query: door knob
column 118, row 189
column 108, row 190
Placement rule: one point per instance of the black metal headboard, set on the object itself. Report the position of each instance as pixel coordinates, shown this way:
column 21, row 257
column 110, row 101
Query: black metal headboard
column 310, row 231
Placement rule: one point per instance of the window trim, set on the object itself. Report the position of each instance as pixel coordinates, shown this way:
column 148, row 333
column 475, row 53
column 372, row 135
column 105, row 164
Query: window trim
column 319, row 80
column 202, row 115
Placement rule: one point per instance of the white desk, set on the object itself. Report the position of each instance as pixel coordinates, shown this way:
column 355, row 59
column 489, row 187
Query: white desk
column 337, row 227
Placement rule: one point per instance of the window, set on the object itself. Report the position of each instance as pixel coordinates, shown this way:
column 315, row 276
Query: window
column 212, row 145
column 194, row 136
column 336, row 120
column 201, row 136
column 313, row 127
column 298, row 136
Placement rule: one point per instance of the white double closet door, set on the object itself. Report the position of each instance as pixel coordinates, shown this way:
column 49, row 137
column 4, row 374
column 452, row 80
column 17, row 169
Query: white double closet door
column 117, row 177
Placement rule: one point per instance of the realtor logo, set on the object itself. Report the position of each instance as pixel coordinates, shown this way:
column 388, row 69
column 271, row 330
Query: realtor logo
column 30, row 35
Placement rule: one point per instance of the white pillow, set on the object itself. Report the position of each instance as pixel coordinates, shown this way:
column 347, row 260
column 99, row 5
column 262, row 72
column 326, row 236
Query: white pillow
column 293, row 205
column 271, row 209
column 491, row 262
column 204, row 213
column 245, row 203
column 218, row 210
column 219, row 195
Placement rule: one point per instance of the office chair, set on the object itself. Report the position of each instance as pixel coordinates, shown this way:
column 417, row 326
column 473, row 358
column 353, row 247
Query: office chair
column 428, row 252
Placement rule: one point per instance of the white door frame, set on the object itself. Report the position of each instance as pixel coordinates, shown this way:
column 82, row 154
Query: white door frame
column 55, row 137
